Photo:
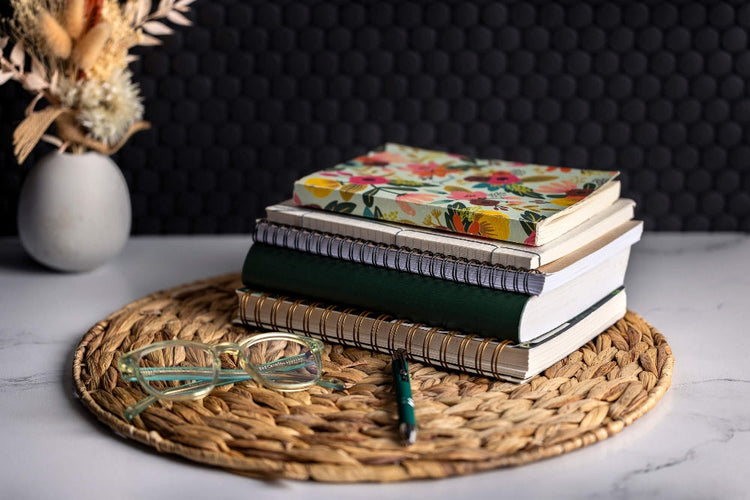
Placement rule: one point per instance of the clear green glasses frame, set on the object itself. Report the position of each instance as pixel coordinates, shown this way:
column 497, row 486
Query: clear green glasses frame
column 175, row 370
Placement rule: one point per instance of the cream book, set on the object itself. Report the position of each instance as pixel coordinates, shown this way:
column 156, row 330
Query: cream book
column 453, row 350
column 469, row 248
column 534, row 282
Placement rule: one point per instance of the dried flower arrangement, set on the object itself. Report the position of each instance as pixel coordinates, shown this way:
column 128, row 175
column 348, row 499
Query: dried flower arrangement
column 73, row 56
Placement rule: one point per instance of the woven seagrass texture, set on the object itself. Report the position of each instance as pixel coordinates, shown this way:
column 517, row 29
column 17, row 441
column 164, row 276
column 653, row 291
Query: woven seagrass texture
column 466, row 423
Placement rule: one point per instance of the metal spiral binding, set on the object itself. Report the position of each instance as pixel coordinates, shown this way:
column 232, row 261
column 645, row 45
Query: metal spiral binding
column 429, row 264
column 486, row 350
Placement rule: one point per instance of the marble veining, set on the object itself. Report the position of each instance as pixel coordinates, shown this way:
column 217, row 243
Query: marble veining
column 694, row 288
column 30, row 382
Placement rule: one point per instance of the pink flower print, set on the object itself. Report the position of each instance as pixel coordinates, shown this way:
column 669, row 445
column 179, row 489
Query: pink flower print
column 384, row 157
column 421, row 169
column 333, row 173
column 557, row 187
column 404, row 201
column 420, row 198
column 428, row 169
column 500, row 178
column 367, row 179
column 531, row 240
column 467, row 195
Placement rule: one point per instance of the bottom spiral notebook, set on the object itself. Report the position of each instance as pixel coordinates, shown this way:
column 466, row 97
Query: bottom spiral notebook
column 466, row 423
column 442, row 348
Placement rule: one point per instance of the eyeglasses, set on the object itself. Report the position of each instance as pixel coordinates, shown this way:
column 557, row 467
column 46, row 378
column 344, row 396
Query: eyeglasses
column 175, row 370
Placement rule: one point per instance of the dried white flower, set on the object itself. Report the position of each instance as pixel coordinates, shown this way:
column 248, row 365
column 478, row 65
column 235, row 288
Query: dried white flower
column 79, row 53
column 106, row 110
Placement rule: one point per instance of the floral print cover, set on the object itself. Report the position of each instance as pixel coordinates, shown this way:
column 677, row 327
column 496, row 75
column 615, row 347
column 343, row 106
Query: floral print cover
column 495, row 199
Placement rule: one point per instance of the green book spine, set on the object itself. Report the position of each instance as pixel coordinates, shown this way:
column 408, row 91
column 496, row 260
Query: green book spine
column 454, row 306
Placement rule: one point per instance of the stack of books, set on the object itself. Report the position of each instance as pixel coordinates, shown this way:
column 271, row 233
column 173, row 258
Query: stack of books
column 491, row 267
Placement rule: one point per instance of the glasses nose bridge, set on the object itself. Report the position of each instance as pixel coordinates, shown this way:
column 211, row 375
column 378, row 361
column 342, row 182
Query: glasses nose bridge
column 226, row 347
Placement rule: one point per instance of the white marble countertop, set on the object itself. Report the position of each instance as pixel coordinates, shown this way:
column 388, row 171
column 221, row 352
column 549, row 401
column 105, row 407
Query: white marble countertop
column 694, row 288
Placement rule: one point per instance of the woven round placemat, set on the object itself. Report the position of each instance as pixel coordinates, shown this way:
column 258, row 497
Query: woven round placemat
column 466, row 423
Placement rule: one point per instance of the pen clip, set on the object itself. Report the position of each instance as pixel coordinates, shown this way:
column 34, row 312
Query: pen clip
column 399, row 356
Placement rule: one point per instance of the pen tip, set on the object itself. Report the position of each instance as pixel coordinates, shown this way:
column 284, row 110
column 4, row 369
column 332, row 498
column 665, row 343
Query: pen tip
column 408, row 433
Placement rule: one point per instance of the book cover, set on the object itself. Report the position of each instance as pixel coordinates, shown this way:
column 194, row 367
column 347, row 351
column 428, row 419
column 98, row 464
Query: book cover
column 501, row 200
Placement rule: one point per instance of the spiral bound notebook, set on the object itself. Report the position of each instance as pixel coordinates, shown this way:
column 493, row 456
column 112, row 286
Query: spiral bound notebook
column 465, row 247
column 472, row 272
column 457, row 306
column 485, row 356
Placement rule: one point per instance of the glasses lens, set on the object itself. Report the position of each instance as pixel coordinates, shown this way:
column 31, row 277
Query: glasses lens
column 178, row 371
column 285, row 363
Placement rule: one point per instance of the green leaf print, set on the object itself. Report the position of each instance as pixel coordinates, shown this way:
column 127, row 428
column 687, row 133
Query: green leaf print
column 529, row 219
column 342, row 208
column 457, row 213
column 369, row 196
column 521, row 190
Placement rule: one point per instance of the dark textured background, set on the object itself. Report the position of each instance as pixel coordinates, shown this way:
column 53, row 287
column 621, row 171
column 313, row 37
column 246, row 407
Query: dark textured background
column 257, row 94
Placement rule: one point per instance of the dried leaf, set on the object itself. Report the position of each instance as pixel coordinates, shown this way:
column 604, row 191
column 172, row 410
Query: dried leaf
column 157, row 28
column 4, row 77
column 3, row 42
column 165, row 6
column 53, row 80
column 38, row 69
column 148, row 40
column 34, row 83
column 33, row 103
column 144, row 7
column 178, row 18
column 18, row 56
column 51, row 139
column 30, row 131
column 183, row 4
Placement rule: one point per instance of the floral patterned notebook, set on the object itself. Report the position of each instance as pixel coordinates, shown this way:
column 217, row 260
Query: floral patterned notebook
column 495, row 199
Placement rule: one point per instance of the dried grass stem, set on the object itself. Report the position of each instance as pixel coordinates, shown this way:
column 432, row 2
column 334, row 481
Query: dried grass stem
column 75, row 18
column 89, row 47
column 58, row 40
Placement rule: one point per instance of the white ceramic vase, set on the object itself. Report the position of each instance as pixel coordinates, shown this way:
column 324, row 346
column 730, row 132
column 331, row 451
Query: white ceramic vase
column 74, row 211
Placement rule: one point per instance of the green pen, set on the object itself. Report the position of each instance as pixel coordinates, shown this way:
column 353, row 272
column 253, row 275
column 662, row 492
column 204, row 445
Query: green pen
column 401, row 383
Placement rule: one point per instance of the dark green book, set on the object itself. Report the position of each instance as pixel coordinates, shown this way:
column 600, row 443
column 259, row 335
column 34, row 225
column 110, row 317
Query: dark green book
column 454, row 306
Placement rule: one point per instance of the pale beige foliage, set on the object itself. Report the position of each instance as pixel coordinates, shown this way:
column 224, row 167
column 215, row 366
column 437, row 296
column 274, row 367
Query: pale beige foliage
column 75, row 63
column 75, row 18
column 90, row 46
column 58, row 40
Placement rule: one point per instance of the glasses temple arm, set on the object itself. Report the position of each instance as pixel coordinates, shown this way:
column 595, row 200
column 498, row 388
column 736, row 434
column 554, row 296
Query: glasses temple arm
column 199, row 373
column 135, row 409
